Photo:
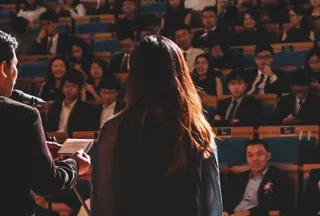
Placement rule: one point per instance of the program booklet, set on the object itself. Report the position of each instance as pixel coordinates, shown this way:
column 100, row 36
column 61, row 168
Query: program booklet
column 71, row 146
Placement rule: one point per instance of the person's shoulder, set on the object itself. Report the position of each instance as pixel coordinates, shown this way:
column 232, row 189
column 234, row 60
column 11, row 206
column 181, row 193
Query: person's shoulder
column 116, row 54
column 251, row 99
column 18, row 109
column 112, row 122
column 197, row 50
column 226, row 100
column 278, row 173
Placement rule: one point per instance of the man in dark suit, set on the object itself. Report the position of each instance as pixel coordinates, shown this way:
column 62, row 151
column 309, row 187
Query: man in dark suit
column 240, row 109
column 265, row 79
column 299, row 107
column 27, row 165
column 71, row 114
column 109, row 91
column 312, row 194
column 260, row 189
column 49, row 41
column 119, row 61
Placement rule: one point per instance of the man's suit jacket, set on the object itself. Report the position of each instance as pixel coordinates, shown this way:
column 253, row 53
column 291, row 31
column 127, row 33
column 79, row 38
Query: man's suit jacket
column 98, row 111
column 41, row 49
column 216, row 36
column 115, row 62
column 26, row 163
column 281, row 85
column 312, row 194
column 248, row 111
column 80, row 118
column 309, row 113
column 280, row 198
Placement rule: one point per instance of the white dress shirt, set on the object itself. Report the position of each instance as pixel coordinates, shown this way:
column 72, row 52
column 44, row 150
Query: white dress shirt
column 54, row 46
column 198, row 5
column 192, row 53
column 107, row 112
column 297, row 107
column 64, row 116
column 32, row 15
column 205, row 33
column 263, row 84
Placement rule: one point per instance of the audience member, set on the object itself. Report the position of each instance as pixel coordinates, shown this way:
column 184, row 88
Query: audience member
column 299, row 30
column 198, row 5
column 240, row 109
column 148, row 24
column 21, row 31
column 31, row 10
column 49, row 41
column 98, row 71
column 108, row 7
column 301, row 106
column 312, row 194
column 312, row 66
column 120, row 60
column 70, row 114
column 183, row 40
column 130, row 12
column 79, row 56
column 71, row 8
column 206, row 77
column 265, row 79
column 274, row 11
column 111, row 105
column 175, row 16
column 51, row 89
column 260, row 189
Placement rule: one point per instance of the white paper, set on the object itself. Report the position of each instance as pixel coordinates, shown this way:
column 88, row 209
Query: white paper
column 71, row 146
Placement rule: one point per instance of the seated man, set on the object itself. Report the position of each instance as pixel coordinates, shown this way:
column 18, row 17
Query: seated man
column 71, row 114
column 240, row 109
column 312, row 194
column 261, row 189
column 299, row 107
column 109, row 90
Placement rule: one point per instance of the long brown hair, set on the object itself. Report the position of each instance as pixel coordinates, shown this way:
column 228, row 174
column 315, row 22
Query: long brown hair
column 159, row 78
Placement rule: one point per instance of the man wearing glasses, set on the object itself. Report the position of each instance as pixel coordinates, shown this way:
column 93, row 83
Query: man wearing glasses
column 264, row 79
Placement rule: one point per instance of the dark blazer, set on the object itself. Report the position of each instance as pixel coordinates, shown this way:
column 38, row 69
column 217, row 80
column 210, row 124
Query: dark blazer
column 115, row 62
column 215, row 36
column 281, row 85
column 309, row 114
column 312, row 194
column 98, row 111
column 80, row 118
column 41, row 49
column 281, row 197
column 247, row 112
column 27, row 164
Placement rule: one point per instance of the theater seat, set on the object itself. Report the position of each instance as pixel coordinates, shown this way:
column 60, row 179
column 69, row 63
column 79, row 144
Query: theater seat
column 106, row 46
column 289, row 58
column 5, row 14
column 33, row 70
column 61, row 28
column 157, row 7
column 91, row 28
column 266, row 113
column 232, row 151
column 284, row 150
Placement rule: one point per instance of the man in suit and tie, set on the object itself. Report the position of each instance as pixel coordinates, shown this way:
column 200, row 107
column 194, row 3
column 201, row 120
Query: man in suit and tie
column 265, row 79
column 261, row 189
column 119, row 61
column 49, row 41
column 312, row 194
column 71, row 114
column 301, row 106
column 109, row 91
column 240, row 109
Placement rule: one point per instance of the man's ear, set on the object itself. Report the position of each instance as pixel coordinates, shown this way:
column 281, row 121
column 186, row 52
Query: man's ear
column 269, row 155
column 3, row 66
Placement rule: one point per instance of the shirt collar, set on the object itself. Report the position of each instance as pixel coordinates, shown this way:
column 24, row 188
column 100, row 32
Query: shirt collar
column 262, row 174
column 238, row 100
column 70, row 106
column 54, row 37
column 303, row 101
column 214, row 28
column 111, row 106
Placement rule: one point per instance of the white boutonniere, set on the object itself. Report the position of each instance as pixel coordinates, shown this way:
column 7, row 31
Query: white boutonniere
column 268, row 187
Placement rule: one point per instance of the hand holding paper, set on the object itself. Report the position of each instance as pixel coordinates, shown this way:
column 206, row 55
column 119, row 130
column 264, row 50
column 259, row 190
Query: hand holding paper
column 83, row 161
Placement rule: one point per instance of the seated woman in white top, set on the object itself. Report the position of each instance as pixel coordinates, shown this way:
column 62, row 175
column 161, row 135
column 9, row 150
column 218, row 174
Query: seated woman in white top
column 71, row 8
column 31, row 10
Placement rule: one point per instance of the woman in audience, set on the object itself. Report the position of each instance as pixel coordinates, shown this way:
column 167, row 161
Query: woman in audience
column 205, row 77
column 51, row 89
column 31, row 10
column 312, row 66
column 73, row 8
column 79, row 57
column 253, row 32
column 175, row 16
column 108, row 7
column 98, row 71
column 300, row 29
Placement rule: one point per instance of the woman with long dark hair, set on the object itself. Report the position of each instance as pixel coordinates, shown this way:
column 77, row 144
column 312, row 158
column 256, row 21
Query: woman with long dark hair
column 312, row 66
column 157, row 157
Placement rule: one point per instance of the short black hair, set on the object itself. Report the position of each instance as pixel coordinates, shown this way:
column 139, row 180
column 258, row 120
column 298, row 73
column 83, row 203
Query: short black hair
column 258, row 142
column 74, row 77
column 236, row 75
column 109, row 82
column 210, row 8
column 8, row 44
column 19, row 25
column 183, row 27
column 263, row 47
column 49, row 15
column 125, row 34
column 300, row 77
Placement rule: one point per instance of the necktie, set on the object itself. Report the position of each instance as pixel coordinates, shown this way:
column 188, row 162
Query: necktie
column 256, row 86
column 231, row 110
column 49, row 44
column 300, row 107
column 124, row 64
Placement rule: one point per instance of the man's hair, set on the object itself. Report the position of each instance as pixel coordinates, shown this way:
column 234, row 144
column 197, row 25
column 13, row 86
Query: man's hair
column 19, row 25
column 258, row 142
column 49, row 15
column 183, row 27
column 210, row 8
column 125, row 34
column 8, row 44
column 74, row 77
column 236, row 75
column 263, row 47
column 110, row 82
column 300, row 77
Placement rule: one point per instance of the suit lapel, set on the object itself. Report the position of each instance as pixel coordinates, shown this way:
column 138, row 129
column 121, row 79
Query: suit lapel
column 72, row 117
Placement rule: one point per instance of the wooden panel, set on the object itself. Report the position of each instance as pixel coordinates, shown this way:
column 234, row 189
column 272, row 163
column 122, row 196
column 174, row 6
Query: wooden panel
column 60, row 136
column 104, row 56
column 9, row 7
column 107, row 18
column 238, row 169
column 239, row 132
column 103, row 36
column 271, row 27
column 267, row 98
column 122, row 77
column 274, row 213
column 147, row 1
column 288, row 68
column 34, row 58
column 208, row 100
column 306, row 168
